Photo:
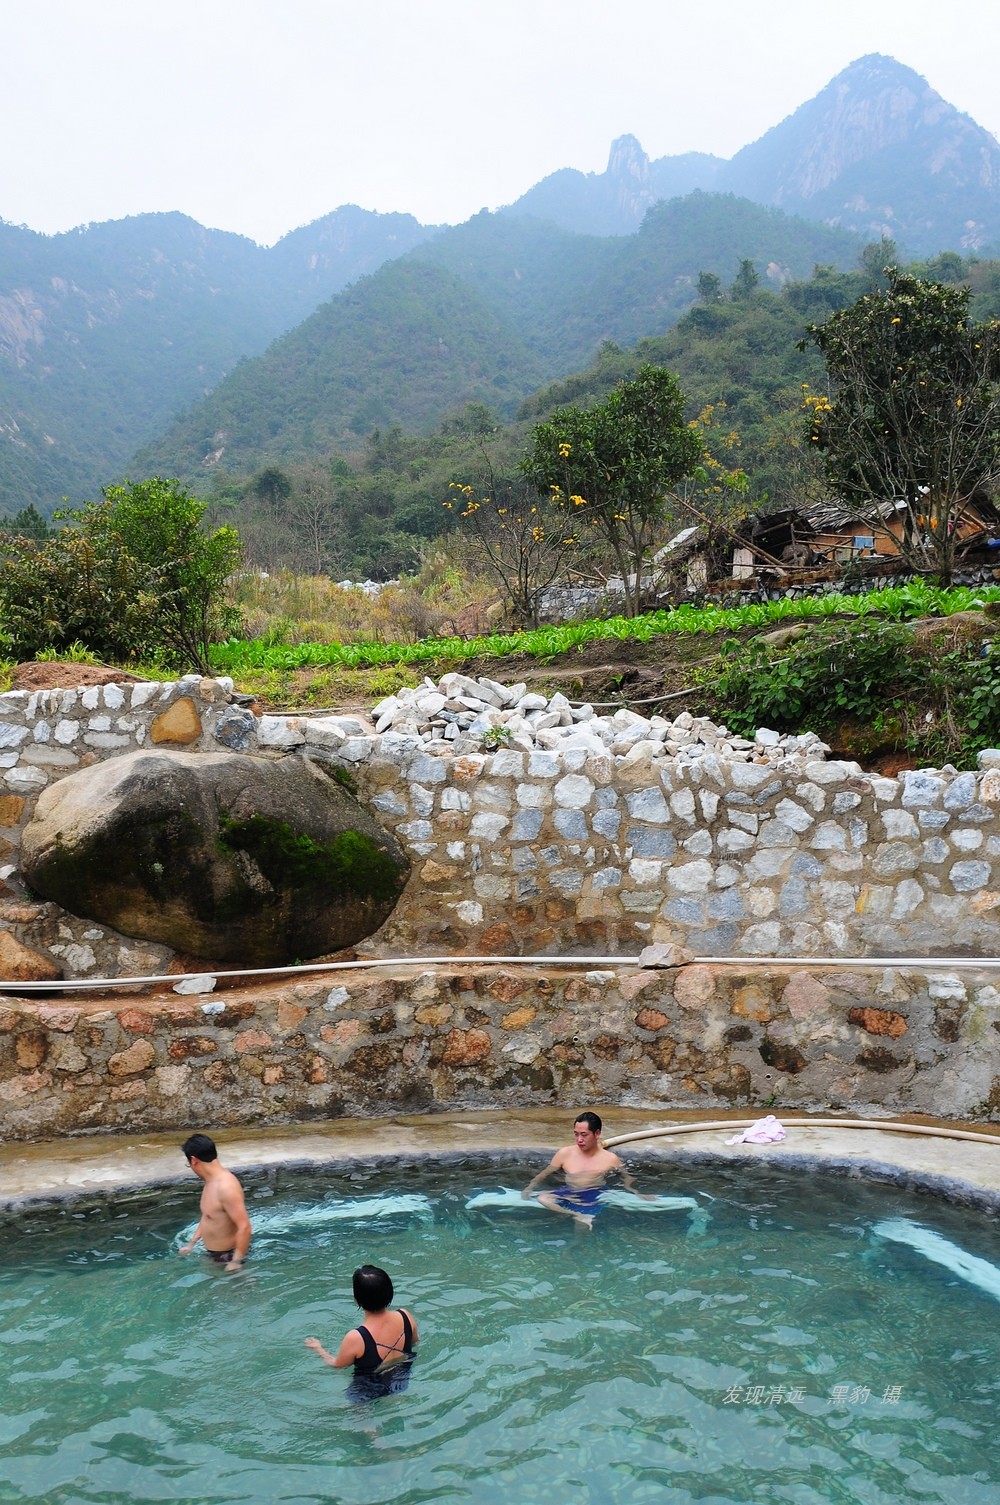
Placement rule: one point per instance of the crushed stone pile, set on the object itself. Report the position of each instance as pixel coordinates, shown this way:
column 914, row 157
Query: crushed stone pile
column 473, row 715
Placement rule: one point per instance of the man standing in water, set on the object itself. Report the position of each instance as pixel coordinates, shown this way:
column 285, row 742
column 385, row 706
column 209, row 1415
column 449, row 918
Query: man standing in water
column 586, row 1164
column 224, row 1227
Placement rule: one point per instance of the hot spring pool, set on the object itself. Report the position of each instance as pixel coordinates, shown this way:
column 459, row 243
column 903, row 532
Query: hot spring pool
column 777, row 1350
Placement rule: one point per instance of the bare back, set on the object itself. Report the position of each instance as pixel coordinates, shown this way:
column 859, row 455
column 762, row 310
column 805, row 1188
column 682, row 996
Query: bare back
column 221, row 1206
column 387, row 1332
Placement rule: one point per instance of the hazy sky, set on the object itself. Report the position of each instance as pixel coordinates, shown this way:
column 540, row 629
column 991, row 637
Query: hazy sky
column 261, row 115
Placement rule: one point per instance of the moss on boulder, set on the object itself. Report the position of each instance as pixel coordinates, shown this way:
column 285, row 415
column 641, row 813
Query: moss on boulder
column 238, row 858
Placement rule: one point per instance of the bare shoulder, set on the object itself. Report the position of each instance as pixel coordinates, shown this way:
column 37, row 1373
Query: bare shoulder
column 231, row 1195
column 352, row 1346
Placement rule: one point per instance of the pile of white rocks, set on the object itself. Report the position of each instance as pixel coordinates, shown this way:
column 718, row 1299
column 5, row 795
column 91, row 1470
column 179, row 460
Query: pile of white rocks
column 366, row 587
column 472, row 715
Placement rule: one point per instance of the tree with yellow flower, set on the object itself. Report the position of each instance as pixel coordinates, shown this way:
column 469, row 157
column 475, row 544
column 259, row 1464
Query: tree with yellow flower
column 613, row 466
column 914, row 411
column 521, row 539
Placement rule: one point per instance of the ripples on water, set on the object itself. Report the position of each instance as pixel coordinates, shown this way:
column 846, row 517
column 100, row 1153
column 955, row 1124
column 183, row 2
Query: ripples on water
column 778, row 1353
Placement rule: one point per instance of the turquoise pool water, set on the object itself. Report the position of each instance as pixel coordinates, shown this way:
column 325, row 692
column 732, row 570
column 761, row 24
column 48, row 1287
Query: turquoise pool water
column 777, row 1351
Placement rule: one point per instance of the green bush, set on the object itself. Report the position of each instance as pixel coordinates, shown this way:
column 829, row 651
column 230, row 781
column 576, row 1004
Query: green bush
column 134, row 576
column 940, row 709
column 857, row 670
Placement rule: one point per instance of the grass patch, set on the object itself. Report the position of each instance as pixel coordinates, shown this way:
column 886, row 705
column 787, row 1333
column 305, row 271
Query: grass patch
column 323, row 689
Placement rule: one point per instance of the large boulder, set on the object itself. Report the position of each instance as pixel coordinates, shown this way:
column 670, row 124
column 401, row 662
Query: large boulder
column 260, row 860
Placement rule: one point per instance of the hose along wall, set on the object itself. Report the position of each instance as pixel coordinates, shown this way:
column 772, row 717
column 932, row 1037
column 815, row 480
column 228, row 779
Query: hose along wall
column 885, row 1126
column 903, row 963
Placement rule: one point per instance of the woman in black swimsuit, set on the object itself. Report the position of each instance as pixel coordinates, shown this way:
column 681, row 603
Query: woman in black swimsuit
column 381, row 1349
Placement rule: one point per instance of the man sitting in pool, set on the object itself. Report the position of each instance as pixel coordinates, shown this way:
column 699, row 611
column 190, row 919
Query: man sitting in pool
column 586, row 1164
column 224, row 1227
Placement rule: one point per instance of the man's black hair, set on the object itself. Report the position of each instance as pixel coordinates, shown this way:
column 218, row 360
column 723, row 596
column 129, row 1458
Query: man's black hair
column 200, row 1147
column 372, row 1288
column 592, row 1121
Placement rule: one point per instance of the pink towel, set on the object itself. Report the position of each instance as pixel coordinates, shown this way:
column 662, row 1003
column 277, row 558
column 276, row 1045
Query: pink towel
column 765, row 1131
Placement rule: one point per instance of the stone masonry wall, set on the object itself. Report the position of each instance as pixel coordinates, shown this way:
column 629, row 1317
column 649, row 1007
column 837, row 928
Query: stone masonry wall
column 554, row 851
column 411, row 1039
column 586, row 835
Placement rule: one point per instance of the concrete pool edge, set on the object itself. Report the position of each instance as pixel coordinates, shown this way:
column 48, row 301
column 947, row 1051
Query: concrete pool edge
column 51, row 1172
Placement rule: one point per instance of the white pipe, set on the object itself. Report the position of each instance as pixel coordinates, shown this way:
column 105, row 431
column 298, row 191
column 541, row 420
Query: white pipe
column 83, row 983
column 887, row 1125
column 907, row 963
column 948, row 962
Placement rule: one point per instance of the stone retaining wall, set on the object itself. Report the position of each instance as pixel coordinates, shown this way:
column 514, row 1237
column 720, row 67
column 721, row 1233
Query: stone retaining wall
column 407, row 1039
column 553, row 851
column 573, row 842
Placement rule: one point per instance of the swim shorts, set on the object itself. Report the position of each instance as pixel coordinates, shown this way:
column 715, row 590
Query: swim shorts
column 583, row 1199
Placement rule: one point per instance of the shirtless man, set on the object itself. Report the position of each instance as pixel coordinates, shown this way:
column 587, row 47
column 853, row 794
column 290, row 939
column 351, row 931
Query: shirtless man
column 586, row 1165
column 224, row 1227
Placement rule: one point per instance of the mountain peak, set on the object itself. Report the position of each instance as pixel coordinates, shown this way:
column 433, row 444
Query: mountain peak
column 628, row 160
column 880, row 152
column 878, row 66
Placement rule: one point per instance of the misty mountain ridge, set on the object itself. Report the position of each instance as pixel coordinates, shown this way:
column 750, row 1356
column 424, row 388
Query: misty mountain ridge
column 108, row 331
column 877, row 152
column 484, row 313
column 616, row 201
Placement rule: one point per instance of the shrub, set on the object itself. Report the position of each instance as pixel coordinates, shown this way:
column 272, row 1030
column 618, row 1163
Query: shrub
column 134, row 576
column 857, row 670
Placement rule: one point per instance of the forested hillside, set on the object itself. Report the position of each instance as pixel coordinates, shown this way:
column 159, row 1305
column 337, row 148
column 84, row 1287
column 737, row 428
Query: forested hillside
column 735, row 352
column 483, row 313
column 107, row 331
column 404, row 347
column 577, row 291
